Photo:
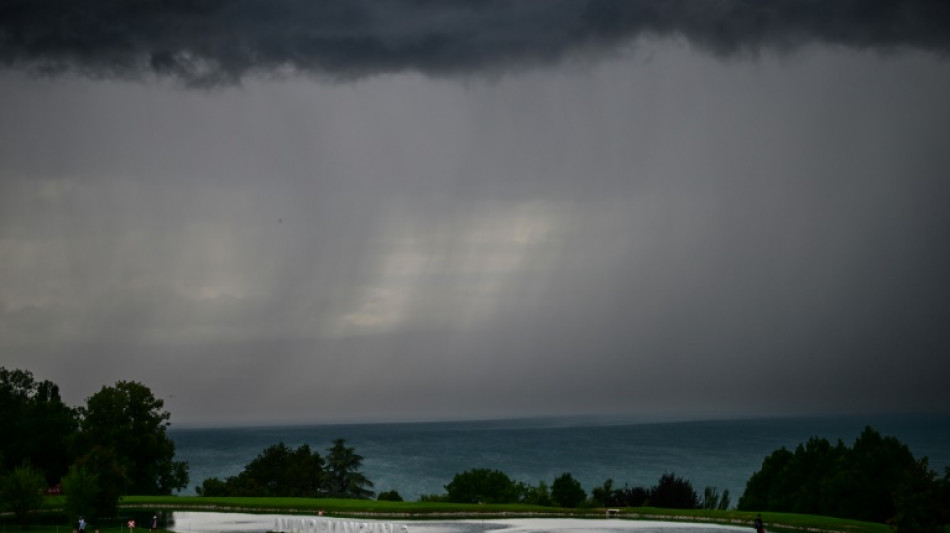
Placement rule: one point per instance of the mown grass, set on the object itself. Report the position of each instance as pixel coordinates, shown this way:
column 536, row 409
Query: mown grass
column 52, row 521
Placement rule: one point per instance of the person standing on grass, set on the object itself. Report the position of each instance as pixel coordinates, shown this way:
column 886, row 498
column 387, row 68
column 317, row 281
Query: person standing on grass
column 154, row 522
column 82, row 524
column 759, row 526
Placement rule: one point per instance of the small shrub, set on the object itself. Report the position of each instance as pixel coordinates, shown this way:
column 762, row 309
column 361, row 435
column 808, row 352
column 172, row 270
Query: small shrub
column 481, row 485
column 389, row 496
column 567, row 491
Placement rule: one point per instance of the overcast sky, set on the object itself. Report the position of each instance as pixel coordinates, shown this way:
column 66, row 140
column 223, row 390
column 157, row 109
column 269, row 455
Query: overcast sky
column 335, row 211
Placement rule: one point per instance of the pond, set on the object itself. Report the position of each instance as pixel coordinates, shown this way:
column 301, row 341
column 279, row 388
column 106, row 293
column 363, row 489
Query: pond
column 212, row 522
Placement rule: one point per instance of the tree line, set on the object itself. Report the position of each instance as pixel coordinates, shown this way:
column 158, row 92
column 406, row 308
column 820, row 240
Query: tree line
column 483, row 485
column 279, row 471
column 876, row 480
column 115, row 444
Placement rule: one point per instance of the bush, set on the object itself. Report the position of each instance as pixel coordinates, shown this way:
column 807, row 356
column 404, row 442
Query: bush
column 481, row 485
column 81, row 488
column 22, row 492
column 567, row 491
column 673, row 492
column 713, row 500
column 607, row 496
column 538, row 495
column 389, row 496
column 633, row 497
column 212, row 487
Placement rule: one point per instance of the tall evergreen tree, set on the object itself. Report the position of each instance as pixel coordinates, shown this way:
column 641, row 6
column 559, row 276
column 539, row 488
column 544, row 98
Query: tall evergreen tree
column 344, row 479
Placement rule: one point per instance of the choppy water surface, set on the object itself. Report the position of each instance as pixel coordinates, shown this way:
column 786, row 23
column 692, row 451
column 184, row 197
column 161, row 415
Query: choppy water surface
column 417, row 459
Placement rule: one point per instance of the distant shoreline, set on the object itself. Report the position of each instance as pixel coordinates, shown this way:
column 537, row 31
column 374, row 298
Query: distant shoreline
column 553, row 421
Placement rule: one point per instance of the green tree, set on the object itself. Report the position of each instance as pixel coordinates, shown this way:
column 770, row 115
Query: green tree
column 129, row 420
column 34, row 423
column 673, row 492
column 631, row 497
column 539, row 494
column 434, row 498
column 81, row 488
column 724, row 501
column 105, row 465
column 605, row 495
column 943, row 497
column 482, row 485
column 389, row 496
column 16, row 389
column 241, row 485
column 817, row 478
column 213, row 486
column 711, row 498
column 278, row 471
column 918, row 501
column 567, row 491
column 22, row 492
column 877, row 465
column 344, row 479
column 763, row 490
column 287, row 473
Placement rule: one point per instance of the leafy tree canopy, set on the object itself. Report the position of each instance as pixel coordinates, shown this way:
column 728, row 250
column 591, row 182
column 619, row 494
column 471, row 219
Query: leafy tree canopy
column 283, row 472
column 673, row 492
column 539, row 494
column 567, row 491
column 389, row 496
column 859, row 482
column 713, row 500
column 34, row 423
column 482, row 485
column 110, row 474
column 129, row 420
column 21, row 492
column 81, row 487
column 278, row 471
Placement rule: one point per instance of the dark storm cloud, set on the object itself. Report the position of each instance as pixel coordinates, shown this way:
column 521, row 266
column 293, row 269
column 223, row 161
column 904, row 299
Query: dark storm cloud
column 218, row 42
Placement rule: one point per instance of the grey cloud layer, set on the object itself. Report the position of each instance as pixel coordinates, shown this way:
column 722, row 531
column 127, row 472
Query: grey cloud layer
column 218, row 42
column 667, row 231
column 671, row 236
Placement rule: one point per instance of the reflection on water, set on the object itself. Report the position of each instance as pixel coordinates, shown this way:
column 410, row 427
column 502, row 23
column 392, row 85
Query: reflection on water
column 204, row 522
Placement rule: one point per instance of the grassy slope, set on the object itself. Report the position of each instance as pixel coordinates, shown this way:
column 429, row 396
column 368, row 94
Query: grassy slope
column 423, row 510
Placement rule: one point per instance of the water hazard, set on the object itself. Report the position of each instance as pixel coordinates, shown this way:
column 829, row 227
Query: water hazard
column 210, row 522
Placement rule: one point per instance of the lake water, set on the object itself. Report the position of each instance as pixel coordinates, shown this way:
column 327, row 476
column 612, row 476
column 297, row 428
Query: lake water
column 421, row 458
